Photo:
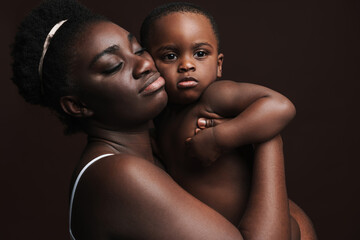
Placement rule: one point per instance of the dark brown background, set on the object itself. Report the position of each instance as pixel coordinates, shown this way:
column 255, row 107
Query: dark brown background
column 307, row 50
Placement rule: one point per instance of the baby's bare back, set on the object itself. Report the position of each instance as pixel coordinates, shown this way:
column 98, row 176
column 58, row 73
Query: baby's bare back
column 225, row 184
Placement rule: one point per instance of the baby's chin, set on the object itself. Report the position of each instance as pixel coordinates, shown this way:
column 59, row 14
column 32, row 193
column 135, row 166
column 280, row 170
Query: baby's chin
column 183, row 98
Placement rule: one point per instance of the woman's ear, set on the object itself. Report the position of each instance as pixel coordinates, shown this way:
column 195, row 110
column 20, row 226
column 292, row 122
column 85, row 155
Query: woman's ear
column 74, row 107
column 219, row 64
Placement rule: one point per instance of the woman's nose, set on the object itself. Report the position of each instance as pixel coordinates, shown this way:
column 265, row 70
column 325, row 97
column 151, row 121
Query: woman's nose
column 186, row 65
column 143, row 66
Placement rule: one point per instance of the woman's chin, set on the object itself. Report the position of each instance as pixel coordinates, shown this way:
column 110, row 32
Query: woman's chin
column 162, row 100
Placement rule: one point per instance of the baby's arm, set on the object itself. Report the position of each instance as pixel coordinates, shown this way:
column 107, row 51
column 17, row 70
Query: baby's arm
column 257, row 114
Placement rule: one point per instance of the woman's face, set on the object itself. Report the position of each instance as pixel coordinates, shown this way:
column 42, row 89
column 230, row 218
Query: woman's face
column 117, row 79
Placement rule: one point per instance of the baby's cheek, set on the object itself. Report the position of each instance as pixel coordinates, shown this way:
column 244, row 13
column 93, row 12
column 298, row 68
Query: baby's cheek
column 168, row 73
column 159, row 65
column 165, row 73
column 169, row 86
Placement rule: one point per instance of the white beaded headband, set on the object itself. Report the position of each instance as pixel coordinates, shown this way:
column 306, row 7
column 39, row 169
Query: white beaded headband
column 45, row 48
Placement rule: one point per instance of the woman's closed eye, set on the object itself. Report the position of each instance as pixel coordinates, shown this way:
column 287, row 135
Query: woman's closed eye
column 113, row 69
column 140, row 51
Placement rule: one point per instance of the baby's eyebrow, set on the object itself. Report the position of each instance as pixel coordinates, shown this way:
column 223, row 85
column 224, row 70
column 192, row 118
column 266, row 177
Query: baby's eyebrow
column 167, row 47
column 198, row 45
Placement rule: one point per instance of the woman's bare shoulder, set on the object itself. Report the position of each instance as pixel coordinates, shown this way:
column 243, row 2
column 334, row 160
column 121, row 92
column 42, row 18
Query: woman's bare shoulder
column 136, row 198
column 119, row 170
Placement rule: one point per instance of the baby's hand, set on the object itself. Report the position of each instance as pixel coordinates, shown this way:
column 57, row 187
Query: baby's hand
column 203, row 123
column 203, row 145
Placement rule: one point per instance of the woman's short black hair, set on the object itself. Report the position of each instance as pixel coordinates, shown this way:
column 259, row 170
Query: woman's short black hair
column 174, row 7
column 28, row 47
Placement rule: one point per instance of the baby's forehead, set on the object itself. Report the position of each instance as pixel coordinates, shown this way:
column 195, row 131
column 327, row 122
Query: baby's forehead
column 177, row 21
column 170, row 10
column 184, row 14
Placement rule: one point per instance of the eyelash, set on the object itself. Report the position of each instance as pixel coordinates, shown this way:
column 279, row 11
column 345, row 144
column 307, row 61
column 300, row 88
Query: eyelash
column 201, row 51
column 165, row 57
column 112, row 70
column 141, row 51
column 118, row 67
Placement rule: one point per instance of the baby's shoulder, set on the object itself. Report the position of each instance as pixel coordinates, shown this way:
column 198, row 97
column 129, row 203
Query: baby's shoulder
column 219, row 89
column 220, row 85
column 220, row 94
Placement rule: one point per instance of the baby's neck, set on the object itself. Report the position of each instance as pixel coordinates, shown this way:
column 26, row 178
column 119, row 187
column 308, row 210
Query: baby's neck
column 180, row 106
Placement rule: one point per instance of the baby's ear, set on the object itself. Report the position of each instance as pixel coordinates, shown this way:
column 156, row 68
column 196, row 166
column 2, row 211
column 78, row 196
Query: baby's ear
column 74, row 107
column 219, row 65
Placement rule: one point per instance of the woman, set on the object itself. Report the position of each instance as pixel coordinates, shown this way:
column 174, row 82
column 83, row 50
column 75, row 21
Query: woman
column 98, row 79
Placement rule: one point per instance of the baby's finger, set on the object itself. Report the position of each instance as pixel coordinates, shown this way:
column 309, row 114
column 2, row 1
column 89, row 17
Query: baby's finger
column 205, row 123
column 197, row 130
column 211, row 122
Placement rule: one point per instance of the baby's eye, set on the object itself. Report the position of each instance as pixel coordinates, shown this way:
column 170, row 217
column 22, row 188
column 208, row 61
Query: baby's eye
column 169, row 57
column 200, row 54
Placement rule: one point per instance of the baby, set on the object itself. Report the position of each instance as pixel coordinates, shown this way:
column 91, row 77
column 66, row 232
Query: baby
column 213, row 164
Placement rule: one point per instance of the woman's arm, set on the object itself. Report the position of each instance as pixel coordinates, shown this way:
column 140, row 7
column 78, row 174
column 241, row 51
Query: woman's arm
column 267, row 214
column 130, row 198
column 134, row 199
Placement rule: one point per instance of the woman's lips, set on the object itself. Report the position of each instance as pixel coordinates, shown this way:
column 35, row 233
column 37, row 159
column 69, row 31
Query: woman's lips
column 153, row 84
column 188, row 82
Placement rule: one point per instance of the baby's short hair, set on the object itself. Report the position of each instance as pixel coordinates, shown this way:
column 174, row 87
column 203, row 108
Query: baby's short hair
column 174, row 7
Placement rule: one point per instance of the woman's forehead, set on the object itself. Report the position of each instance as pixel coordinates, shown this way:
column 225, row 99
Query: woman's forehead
column 99, row 36
column 104, row 33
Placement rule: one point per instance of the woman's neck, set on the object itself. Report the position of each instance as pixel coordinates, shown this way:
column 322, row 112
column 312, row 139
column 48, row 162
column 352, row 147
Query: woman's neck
column 136, row 143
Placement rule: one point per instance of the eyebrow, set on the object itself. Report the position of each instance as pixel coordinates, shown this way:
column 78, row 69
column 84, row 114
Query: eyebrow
column 174, row 47
column 110, row 50
column 197, row 45
column 130, row 37
column 167, row 47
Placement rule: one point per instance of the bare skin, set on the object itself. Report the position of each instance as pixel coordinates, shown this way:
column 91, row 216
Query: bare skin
column 301, row 224
column 128, row 195
column 187, row 57
column 225, row 184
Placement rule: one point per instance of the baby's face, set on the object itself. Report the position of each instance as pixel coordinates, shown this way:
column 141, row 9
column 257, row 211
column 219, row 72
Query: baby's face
column 185, row 51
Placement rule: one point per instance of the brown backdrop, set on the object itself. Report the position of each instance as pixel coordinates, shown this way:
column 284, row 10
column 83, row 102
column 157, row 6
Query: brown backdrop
column 307, row 50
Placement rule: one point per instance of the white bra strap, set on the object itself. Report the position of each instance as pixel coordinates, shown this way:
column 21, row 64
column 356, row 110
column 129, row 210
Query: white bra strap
column 76, row 183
